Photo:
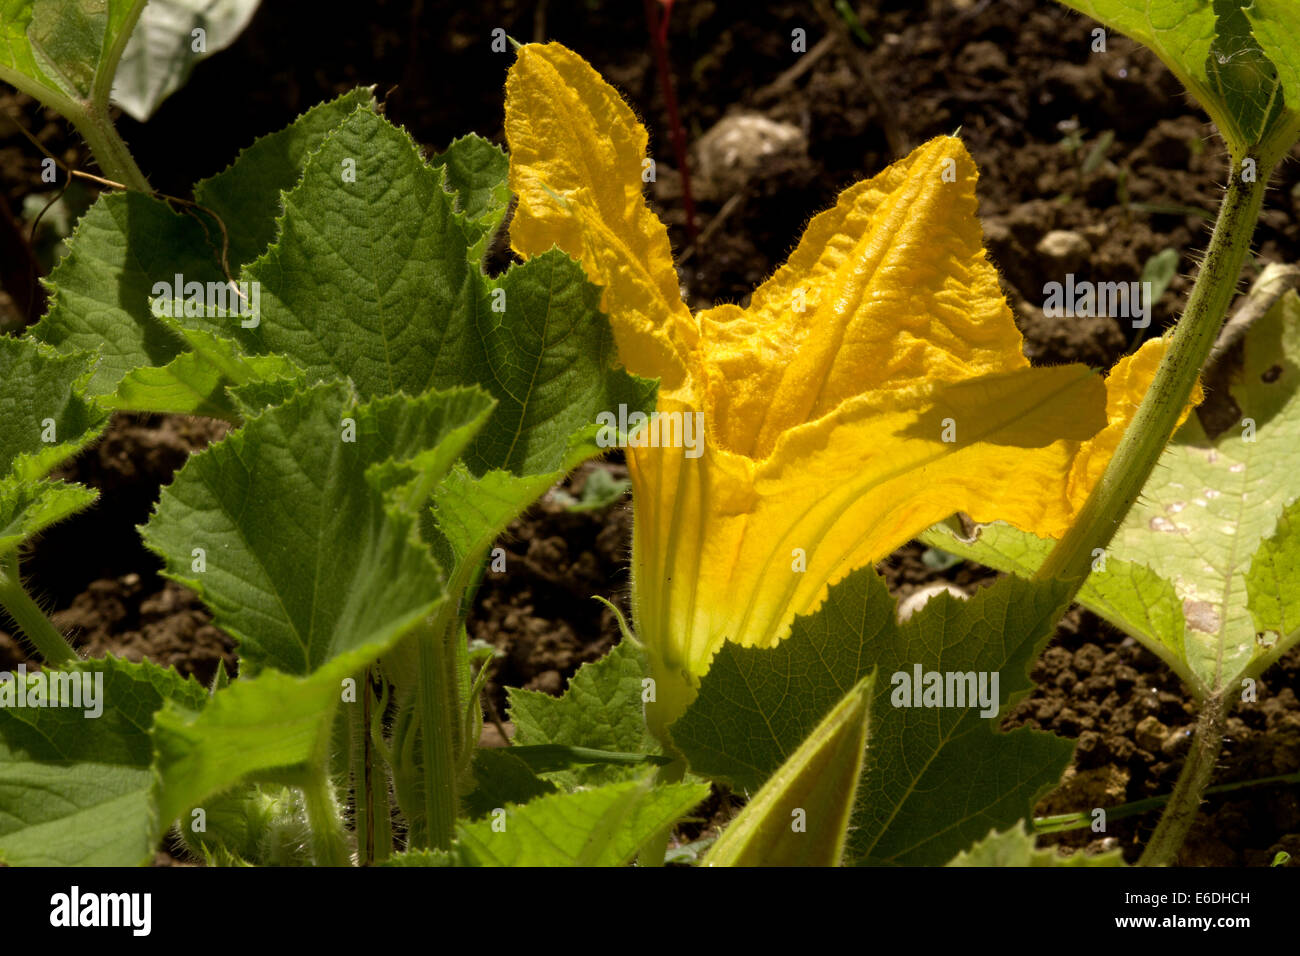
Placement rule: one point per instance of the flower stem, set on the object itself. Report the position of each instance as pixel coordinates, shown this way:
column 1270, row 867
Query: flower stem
column 37, row 628
column 329, row 845
column 1185, row 801
column 1167, row 396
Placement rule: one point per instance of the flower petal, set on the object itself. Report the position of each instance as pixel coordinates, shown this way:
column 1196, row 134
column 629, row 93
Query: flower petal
column 1126, row 384
column 576, row 153
column 727, row 550
column 887, row 289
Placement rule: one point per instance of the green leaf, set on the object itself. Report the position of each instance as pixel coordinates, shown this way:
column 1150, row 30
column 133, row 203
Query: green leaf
column 801, row 815
column 469, row 513
column 160, row 54
column 935, row 779
column 1015, row 847
column 44, row 417
column 604, row 826
column 1273, row 23
column 372, row 281
column 500, row 778
column 476, row 172
column 372, row 278
column 27, row 508
column 1180, row 574
column 1129, row 595
column 1226, row 57
column 129, row 242
column 65, row 52
column 545, row 758
column 274, row 726
column 101, row 289
column 247, row 195
column 197, row 382
column 44, row 420
column 308, row 537
column 601, row 710
column 78, row 791
column 1273, row 588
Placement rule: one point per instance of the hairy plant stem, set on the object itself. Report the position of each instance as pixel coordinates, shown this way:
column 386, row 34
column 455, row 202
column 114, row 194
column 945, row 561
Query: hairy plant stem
column 361, row 764
column 108, row 148
column 439, row 726
column 36, row 627
column 653, row 853
column 329, row 845
column 1165, row 399
column 1185, row 801
column 1136, row 456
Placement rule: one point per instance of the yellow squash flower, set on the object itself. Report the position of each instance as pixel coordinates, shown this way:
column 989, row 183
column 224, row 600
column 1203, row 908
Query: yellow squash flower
column 874, row 385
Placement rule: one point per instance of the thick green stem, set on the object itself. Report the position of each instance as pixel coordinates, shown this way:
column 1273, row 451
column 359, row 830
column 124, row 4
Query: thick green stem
column 329, row 844
column 1136, row 457
column 109, row 149
column 1147, row 434
column 1185, row 801
column 36, row 627
column 653, row 853
column 360, row 763
column 439, row 731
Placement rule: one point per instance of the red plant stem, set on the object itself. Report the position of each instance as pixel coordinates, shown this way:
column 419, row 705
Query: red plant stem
column 659, row 43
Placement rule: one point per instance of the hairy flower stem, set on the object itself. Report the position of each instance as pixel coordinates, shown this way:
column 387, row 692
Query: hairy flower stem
column 1136, row 457
column 1185, row 801
column 36, row 627
column 329, row 845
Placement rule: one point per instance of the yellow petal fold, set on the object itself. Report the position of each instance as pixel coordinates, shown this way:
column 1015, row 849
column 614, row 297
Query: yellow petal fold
column 576, row 165
column 887, row 289
column 875, row 384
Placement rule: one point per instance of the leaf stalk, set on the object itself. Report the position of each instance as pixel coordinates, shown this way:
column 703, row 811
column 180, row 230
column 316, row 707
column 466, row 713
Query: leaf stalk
column 37, row 628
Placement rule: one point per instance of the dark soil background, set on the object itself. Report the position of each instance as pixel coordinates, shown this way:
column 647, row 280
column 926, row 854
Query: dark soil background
column 1101, row 149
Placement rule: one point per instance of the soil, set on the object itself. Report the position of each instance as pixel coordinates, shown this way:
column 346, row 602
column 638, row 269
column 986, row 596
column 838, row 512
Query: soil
column 1104, row 147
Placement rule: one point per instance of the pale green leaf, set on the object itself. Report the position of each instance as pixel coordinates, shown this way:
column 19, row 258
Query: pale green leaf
column 604, row 826
column 1016, row 847
column 801, row 815
column 64, row 52
column 101, row 290
column 44, row 420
